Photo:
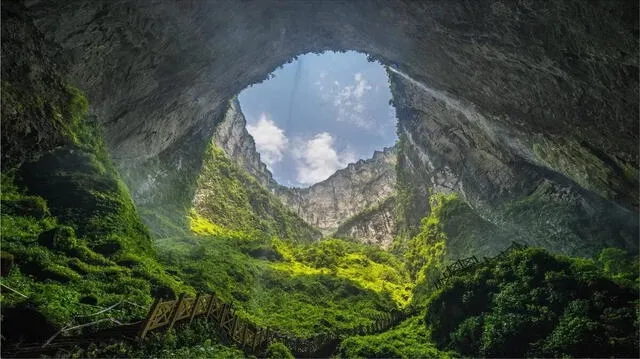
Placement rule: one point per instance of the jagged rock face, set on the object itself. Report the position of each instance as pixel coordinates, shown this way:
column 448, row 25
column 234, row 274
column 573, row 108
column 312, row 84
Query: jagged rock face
column 446, row 145
column 375, row 226
column 362, row 185
column 232, row 137
column 333, row 205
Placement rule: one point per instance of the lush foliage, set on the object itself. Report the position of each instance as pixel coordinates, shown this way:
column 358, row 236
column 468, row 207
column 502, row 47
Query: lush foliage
column 74, row 233
column 532, row 303
column 410, row 339
column 231, row 198
column 278, row 351
column 199, row 339
column 300, row 289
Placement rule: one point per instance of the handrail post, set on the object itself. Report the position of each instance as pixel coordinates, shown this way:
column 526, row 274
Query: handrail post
column 210, row 306
column 195, row 308
column 234, row 326
column 244, row 333
column 176, row 311
column 144, row 328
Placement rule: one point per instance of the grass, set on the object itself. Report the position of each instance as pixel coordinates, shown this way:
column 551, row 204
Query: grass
column 410, row 339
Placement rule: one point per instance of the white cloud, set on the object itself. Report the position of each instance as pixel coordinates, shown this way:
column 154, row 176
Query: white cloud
column 270, row 140
column 317, row 159
column 349, row 102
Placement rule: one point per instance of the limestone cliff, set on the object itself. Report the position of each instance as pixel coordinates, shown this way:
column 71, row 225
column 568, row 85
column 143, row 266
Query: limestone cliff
column 375, row 225
column 362, row 185
column 354, row 202
column 446, row 146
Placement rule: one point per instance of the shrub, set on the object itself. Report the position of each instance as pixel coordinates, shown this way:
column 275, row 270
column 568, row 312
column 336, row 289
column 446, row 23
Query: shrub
column 278, row 351
column 532, row 303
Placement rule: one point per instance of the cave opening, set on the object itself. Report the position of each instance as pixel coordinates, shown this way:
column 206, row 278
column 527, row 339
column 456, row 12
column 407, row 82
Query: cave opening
column 319, row 112
column 516, row 122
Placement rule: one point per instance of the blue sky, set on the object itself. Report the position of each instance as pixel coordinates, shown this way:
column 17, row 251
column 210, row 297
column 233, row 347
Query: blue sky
column 319, row 114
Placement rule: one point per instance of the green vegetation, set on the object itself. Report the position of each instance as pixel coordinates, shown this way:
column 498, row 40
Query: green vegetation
column 299, row 289
column 409, row 208
column 78, row 245
column 278, row 351
column 228, row 196
column 410, row 339
column 74, row 233
column 199, row 340
column 531, row 303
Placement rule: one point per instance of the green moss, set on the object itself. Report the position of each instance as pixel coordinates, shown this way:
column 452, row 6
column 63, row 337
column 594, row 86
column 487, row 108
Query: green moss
column 72, row 201
column 426, row 251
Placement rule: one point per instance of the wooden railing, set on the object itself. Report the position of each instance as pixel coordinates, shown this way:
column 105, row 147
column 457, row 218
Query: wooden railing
column 248, row 336
column 463, row 265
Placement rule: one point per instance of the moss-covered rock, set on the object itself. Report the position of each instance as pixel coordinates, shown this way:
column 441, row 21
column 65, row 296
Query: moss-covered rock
column 84, row 195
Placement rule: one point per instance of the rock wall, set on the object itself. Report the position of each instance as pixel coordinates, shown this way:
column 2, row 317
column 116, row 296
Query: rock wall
column 447, row 146
column 348, row 192
column 375, row 225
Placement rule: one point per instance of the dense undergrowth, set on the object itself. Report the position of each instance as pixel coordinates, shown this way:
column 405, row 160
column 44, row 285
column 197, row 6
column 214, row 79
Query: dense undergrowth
column 230, row 197
column 299, row 289
column 73, row 232
column 535, row 304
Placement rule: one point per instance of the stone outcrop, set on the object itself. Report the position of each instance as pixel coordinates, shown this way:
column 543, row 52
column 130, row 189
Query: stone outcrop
column 232, row 137
column 375, row 225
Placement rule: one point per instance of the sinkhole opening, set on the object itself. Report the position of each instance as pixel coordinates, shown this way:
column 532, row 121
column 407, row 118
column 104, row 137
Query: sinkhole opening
column 319, row 113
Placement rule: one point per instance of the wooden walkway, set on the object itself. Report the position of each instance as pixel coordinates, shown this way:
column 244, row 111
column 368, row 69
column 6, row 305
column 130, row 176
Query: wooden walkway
column 164, row 315
column 241, row 332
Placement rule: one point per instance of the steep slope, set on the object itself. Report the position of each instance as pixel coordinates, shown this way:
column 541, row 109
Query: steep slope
column 229, row 197
column 448, row 146
column 348, row 192
column 355, row 202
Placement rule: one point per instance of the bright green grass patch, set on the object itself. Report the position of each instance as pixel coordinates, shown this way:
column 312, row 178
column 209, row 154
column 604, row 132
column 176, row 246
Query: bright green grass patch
column 410, row 339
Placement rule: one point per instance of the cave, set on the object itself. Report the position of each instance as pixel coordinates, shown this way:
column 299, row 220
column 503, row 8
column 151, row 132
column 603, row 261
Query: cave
column 517, row 121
